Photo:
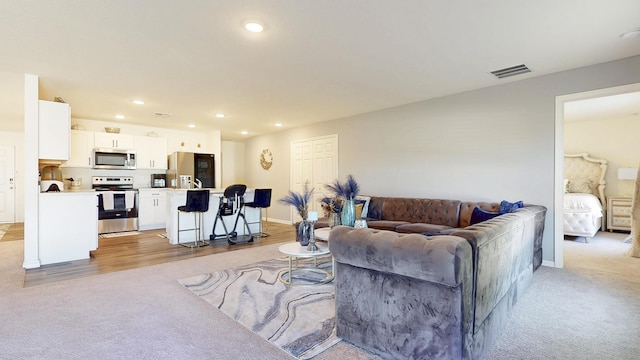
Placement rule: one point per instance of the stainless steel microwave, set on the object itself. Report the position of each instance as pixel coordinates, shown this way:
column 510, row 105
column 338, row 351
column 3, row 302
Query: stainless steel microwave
column 104, row 158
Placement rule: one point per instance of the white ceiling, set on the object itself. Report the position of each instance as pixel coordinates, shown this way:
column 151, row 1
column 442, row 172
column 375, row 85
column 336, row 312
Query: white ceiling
column 315, row 61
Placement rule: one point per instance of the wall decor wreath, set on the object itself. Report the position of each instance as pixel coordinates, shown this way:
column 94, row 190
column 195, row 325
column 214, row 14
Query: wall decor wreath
column 266, row 159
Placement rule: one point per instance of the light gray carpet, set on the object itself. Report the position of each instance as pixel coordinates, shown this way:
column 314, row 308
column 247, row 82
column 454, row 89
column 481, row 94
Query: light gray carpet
column 299, row 319
column 590, row 310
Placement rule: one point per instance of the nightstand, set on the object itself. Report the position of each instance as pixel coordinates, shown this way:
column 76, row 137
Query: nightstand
column 619, row 213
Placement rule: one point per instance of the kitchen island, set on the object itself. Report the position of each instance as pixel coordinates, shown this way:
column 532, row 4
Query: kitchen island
column 68, row 227
column 178, row 197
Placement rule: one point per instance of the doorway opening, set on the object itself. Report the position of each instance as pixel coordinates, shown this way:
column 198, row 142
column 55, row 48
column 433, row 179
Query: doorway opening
column 559, row 159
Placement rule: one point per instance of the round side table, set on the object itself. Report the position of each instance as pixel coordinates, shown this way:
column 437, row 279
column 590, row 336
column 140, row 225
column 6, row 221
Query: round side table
column 294, row 250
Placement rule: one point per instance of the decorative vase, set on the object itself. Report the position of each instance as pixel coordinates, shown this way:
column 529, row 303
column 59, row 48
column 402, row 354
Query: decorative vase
column 334, row 219
column 360, row 223
column 303, row 234
column 348, row 215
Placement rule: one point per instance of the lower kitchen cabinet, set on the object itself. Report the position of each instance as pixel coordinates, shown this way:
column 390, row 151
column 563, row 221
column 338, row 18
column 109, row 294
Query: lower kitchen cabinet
column 152, row 213
column 68, row 226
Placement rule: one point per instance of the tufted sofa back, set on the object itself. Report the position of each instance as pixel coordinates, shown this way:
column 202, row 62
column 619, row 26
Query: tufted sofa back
column 466, row 208
column 452, row 213
column 430, row 211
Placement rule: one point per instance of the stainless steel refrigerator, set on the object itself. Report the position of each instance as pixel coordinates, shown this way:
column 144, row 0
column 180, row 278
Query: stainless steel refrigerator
column 197, row 166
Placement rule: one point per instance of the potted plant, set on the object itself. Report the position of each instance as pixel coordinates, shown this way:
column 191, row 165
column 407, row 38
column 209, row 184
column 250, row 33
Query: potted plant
column 346, row 191
column 332, row 207
column 300, row 201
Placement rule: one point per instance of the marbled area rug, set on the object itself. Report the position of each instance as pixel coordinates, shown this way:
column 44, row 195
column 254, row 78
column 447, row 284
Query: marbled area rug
column 299, row 319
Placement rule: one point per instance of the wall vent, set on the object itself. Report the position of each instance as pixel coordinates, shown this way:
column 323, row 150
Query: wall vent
column 161, row 114
column 511, row 71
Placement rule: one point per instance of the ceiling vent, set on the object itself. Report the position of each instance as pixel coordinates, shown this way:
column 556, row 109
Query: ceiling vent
column 511, row 71
column 161, row 114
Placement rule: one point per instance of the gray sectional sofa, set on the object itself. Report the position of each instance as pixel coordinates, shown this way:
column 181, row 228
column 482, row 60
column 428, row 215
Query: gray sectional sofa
column 413, row 296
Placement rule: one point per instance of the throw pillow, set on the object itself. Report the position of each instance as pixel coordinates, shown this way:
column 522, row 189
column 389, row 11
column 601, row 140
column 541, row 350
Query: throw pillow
column 566, row 185
column 478, row 215
column 582, row 185
column 507, row 207
column 364, row 200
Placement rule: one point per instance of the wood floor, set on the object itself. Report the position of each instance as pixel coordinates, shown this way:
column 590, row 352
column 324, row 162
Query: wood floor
column 148, row 248
column 15, row 232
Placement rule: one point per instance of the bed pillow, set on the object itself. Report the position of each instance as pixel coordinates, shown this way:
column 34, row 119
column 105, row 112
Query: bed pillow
column 581, row 185
column 507, row 207
column 478, row 215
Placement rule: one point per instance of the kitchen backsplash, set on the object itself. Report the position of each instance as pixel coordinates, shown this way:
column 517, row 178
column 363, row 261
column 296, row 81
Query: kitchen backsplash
column 141, row 178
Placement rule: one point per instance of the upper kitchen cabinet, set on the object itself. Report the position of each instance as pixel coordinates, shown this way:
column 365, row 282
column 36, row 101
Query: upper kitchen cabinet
column 81, row 149
column 151, row 152
column 54, row 126
column 113, row 141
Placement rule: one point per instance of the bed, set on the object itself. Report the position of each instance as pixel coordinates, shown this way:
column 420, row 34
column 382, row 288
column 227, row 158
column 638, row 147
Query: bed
column 584, row 200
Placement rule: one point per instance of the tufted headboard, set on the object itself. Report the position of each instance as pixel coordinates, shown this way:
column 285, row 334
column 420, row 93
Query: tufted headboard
column 580, row 167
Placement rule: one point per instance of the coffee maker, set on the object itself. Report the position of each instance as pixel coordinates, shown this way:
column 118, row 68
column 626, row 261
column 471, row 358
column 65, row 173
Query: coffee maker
column 158, row 180
column 51, row 179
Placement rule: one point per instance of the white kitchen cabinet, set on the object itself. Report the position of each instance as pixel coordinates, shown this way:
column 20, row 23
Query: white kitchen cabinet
column 68, row 226
column 54, row 124
column 81, row 149
column 151, row 152
column 152, row 212
column 113, row 141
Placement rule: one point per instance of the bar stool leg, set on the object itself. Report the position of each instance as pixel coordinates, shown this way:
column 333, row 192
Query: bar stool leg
column 266, row 222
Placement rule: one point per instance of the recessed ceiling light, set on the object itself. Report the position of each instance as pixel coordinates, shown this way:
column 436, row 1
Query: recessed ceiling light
column 254, row 27
column 244, row 132
column 633, row 34
column 192, row 125
column 120, row 117
column 278, row 124
column 138, row 102
column 219, row 115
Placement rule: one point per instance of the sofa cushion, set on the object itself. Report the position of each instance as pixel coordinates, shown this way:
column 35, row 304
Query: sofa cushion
column 478, row 215
column 421, row 228
column 385, row 224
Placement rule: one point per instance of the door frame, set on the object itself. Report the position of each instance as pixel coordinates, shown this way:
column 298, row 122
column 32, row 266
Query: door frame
column 558, row 192
column 13, row 165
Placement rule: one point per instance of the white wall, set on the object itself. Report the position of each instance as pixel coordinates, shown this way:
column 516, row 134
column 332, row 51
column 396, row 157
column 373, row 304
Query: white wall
column 233, row 162
column 16, row 139
column 489, row 144
column 615, row 140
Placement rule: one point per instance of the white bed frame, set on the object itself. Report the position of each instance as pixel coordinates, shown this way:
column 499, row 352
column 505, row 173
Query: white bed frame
column 582, row 166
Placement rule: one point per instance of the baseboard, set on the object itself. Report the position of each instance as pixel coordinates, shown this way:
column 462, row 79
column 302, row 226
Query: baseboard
column 548, row 263
column 31, row 264
column 285, row 222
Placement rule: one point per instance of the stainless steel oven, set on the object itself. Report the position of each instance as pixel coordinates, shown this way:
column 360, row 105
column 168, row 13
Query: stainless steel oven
column 117, row 203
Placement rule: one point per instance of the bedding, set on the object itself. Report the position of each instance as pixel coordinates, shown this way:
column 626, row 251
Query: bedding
column 584, row 199
column 577, row 202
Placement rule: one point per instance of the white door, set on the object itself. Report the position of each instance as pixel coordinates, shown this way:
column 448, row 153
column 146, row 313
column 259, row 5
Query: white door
column 325, row 167
column 315, row 161
column 7, row 184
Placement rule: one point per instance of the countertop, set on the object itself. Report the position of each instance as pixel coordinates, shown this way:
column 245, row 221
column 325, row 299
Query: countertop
column 69, row 192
